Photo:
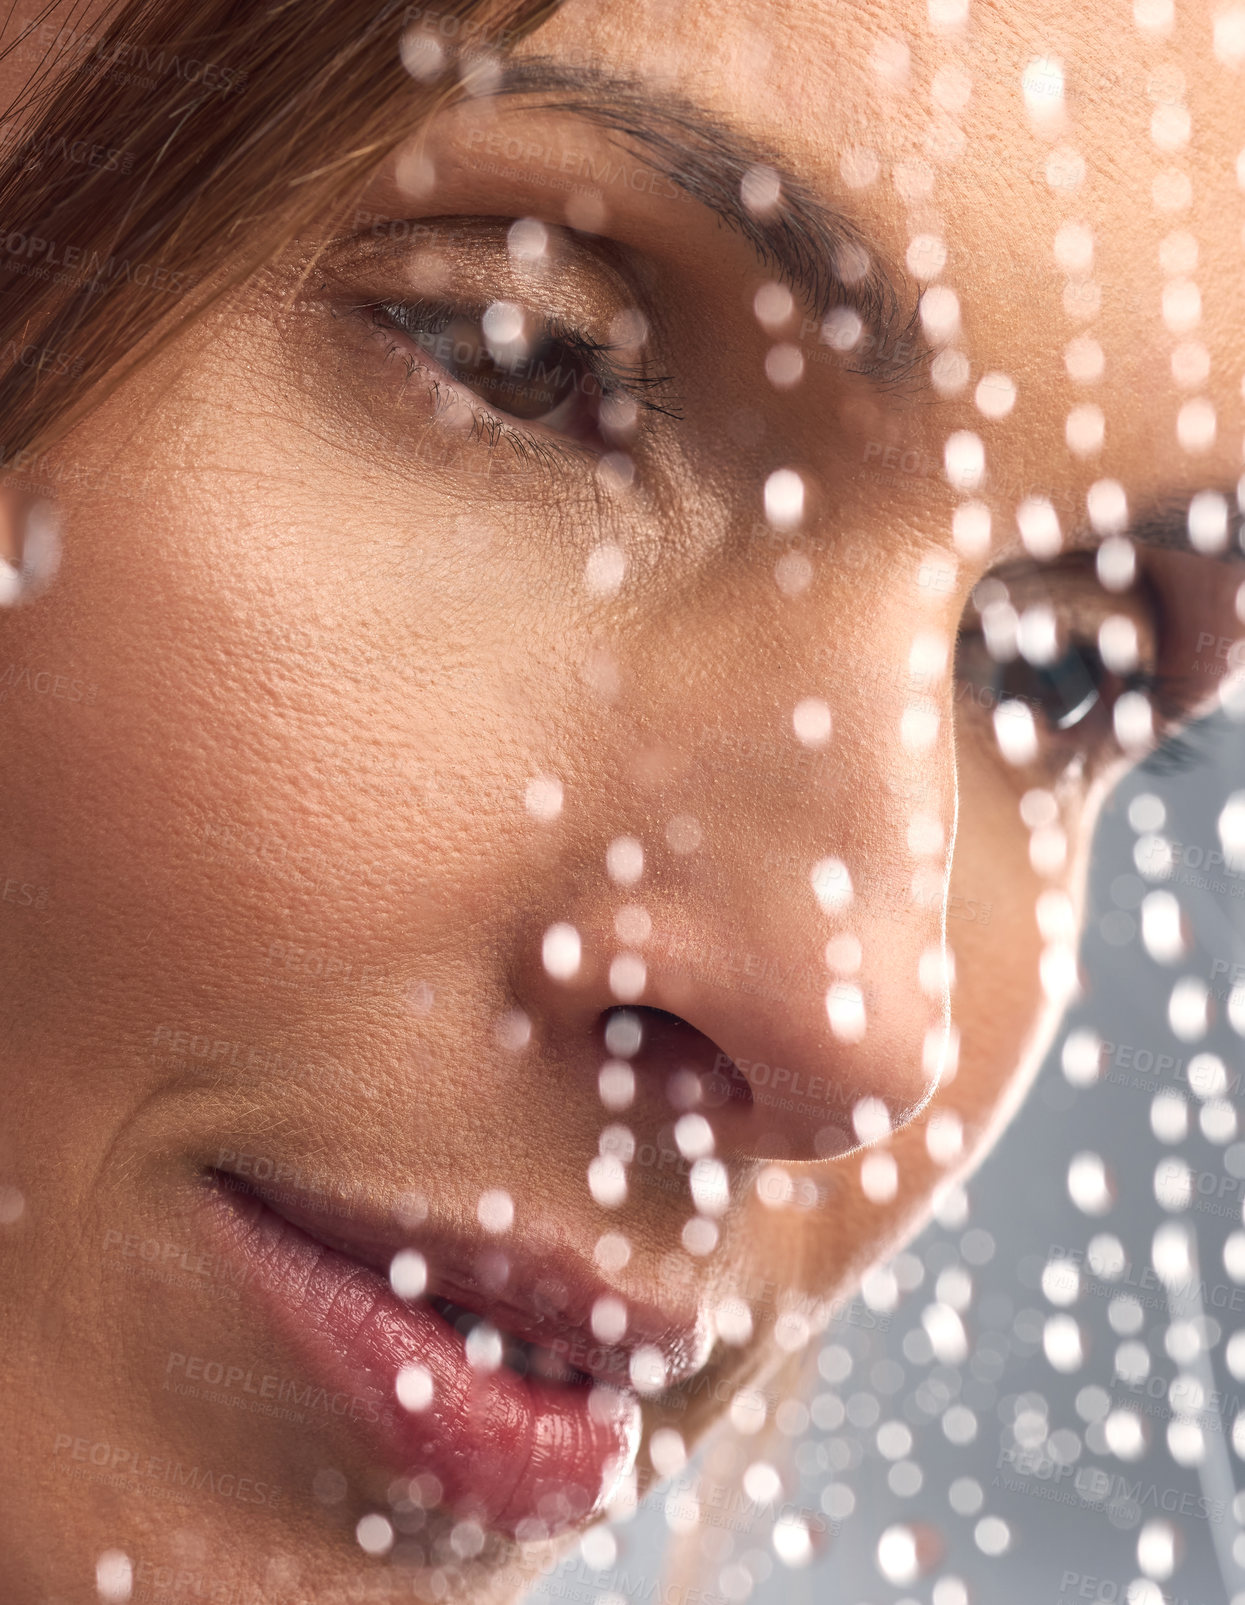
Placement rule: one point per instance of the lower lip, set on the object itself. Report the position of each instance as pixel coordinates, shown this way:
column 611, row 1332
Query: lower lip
column 515, row 1453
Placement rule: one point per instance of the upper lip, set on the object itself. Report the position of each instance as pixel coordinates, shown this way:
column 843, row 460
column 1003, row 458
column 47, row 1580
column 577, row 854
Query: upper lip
column 547, row 1299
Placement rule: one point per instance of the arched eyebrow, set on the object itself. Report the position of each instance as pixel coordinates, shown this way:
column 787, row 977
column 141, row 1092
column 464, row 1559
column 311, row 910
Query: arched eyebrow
column 810, row 245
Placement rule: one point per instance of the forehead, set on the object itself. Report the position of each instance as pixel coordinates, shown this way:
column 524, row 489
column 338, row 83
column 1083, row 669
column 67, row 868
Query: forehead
column 821, row 76
column 1077, row 166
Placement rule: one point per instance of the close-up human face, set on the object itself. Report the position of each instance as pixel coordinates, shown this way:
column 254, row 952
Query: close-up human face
column 553, row 713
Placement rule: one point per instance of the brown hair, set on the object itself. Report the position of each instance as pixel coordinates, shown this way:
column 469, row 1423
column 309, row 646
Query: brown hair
column 180, row 145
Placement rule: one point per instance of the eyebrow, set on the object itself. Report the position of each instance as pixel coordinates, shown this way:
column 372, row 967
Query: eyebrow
column 810, row 245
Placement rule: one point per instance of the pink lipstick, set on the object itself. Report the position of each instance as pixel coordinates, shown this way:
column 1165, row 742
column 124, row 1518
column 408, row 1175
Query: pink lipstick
column 491, row 1389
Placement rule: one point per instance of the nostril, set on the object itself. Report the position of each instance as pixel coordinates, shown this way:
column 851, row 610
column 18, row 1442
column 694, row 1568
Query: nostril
column 693, row 1070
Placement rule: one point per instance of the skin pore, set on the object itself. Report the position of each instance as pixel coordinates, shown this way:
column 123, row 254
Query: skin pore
column 338, row 624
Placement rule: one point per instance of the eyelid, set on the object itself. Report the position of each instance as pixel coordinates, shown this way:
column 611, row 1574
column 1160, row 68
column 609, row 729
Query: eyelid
column 1069, row 585
column 473, row 265
column 458, row 266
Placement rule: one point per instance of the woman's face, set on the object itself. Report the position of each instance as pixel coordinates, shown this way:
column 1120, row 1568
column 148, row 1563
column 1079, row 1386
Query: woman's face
column 496, row 738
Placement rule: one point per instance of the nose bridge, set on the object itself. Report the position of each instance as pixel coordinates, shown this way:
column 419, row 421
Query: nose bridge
column 810, row 949
column 797, row 925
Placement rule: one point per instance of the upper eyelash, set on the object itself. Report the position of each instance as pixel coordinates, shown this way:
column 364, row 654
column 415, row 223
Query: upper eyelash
column 614, row 377
column 491, row 427
column 1173, row 695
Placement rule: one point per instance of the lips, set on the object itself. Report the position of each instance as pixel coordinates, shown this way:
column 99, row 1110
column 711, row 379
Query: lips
column 490, row 1391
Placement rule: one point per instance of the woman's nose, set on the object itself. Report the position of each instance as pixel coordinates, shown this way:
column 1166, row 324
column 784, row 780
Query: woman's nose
column 796, row 933
column 800, row 1005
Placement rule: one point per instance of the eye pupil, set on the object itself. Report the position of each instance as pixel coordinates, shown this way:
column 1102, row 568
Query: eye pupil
column 1073, row 684
column 1063, row 693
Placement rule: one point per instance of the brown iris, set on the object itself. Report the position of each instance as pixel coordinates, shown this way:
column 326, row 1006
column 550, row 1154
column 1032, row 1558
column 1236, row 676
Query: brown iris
column 528, row 378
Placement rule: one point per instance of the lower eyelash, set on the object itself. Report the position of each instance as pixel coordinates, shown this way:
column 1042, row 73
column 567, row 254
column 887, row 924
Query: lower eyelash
column 1182, row 748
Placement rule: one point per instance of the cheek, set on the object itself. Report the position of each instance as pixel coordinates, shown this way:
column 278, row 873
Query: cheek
column 992, row 927
column 255, row 689
column 1000, row 1008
